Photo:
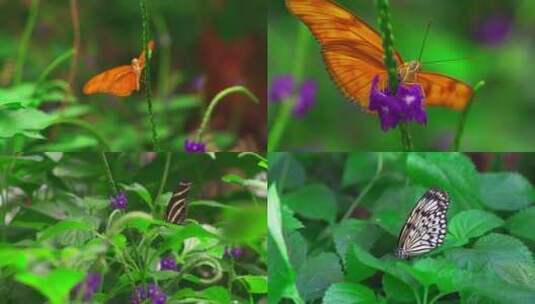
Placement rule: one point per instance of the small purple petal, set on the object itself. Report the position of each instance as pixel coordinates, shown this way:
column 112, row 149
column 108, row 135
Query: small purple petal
column 281, row 88
column 234, row 252
column 194, row 146
column 406, row 105
column 89, row 286
column 168, row 263
column 306, row 98
column 119, row 202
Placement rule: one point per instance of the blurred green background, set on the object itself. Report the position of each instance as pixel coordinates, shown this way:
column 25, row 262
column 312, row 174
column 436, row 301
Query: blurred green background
column 497, row 38
column 202, row 47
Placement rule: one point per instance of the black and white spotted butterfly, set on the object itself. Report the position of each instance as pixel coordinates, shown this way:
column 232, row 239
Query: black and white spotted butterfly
column 426, row 226
column 177, row 207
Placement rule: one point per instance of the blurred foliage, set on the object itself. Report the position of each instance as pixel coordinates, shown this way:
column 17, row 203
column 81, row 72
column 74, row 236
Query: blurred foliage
column 58, row 225
column 202, row 47
column 334, row 220
column 494, row 37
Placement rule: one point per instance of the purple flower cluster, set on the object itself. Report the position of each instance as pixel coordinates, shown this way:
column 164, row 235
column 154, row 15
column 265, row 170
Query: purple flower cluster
column 407, row 104
column 88, row 287
column 194, row 146
column 234, row 252
column 168, row 263
column 119, row 201
column 152, row 292
column 282, row 87
column 494, row 29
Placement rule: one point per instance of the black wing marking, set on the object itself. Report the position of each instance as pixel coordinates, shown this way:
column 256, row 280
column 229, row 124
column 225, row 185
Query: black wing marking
column 177, row 208
column 426, row 226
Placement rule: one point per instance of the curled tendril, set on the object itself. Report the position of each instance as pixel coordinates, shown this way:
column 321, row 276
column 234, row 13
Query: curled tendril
column 206, row 260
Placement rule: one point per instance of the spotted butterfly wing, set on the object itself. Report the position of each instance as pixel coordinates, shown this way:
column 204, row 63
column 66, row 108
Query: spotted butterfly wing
column 426, row 226
column 177, row 208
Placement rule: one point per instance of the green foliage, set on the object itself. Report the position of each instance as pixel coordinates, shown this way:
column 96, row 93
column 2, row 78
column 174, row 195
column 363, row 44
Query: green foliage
column 339, row 258
column 61, row 227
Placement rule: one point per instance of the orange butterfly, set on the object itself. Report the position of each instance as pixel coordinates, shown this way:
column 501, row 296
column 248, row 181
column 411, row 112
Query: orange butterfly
column 120, row 81
column 353, row 53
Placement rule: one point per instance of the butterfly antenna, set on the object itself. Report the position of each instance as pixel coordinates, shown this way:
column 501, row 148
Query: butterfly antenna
column 445, row 61
column 427, row 28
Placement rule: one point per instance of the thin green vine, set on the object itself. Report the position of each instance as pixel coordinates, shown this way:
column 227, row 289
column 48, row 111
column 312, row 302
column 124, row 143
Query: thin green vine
column 146, row 17
column 284, row 114
column 25, row 41
column 385, row 27
column 215, row 101
column 464, row 116
column 107, row 171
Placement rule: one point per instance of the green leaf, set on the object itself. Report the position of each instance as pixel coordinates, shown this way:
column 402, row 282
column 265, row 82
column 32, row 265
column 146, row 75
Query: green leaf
column 491, row 254
column 24, row 122
column 139, row 190
column 522, row 224
column 289, row 222
column 255, row 284
column 214, row 294
column 55, row 286
column 471, row 224
column 297, row 249
column 281, row 276
column 396, row 290
column 359, row 167
column 439, row 271
column 506, row 191
column 349, row 293
column 244, row 224
column 135, row 219
column 317, row 195
column 310, row 283
column 233, row 179
column 286, row 171
column 453, row 172
column 355, row 270
column 353, row 231
column 61, row 227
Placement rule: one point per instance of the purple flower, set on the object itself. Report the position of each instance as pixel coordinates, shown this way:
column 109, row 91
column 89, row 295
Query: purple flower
column 281, row 88
column 194, row 146
column 306, row 99
column 406, row 105
column 493, row 30
column 88, row 287
column 199, row 83
column 234, row 252
column 119, row 201
column 152, row 292
column 168, row 263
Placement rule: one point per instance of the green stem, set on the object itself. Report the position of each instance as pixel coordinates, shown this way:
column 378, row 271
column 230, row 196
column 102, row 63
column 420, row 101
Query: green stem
column 23, row 46
column 426, row 293
column 438, row 296
column 390, row 63
column 368, row 187
column 216, row 100
column 145, row 12
column 284, row 114
column 52, row 66
column 464, row 116
column 164, row 175
column 107, row 170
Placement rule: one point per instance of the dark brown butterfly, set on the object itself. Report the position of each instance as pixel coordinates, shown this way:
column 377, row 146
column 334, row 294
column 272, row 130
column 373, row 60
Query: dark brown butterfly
column 177, row 207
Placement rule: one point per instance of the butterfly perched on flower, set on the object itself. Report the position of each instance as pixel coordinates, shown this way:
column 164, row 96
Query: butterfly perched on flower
column 176, row 211
column 353, row 54
column 426, row 226
column 119, row 81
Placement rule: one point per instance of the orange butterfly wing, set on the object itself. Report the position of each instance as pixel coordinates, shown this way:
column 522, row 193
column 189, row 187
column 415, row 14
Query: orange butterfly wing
column 353, row 53
column 120, row 81
column 351, row 49
column 444, row 91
